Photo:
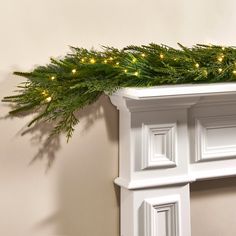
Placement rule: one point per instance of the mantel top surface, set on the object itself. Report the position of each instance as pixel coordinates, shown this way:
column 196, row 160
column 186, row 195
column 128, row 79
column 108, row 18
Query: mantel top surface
column 184, row 90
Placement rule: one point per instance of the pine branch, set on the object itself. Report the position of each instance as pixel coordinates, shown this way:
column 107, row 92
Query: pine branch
column 57, row 90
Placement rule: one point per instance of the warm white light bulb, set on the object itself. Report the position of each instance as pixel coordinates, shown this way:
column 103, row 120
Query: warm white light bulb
column 205, row 72
column 53, row 77
column 220, row 59
column 48, row 99
column 92, row 60
column 134, row 60
column 234, row 72
column 197, row 65
column 161, row 56
column 220, row 70
column 73, row 71
column 44, row 93
column 136, row 73
column 143, row 55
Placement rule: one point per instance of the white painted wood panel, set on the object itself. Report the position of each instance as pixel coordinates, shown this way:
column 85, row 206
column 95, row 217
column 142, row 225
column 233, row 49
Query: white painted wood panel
column 173, row 91
column 171, row 136
column 161, row 216
column 142, row 211
column 158, row 146
column 215, row 138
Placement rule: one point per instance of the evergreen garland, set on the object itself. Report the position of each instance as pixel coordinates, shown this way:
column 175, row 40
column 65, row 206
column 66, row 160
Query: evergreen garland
column 66, row 85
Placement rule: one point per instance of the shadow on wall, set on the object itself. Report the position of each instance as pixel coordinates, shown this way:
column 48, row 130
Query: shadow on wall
column 213, row 186
column 88, row 201
column 48, row 147
column 40, row 131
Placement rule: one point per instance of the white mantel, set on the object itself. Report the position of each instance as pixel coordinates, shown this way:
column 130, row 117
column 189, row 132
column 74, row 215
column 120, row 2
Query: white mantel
column 171, row 136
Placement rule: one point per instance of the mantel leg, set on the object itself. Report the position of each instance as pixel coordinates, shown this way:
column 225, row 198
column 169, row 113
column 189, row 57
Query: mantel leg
column 156, row 212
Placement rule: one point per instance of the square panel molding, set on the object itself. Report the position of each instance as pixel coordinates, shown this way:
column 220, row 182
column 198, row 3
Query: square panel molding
column 159, row 146
column 162, row 216
column 215, row 138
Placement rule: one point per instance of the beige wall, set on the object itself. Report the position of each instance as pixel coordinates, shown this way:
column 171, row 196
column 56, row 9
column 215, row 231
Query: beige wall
column 213, row 208
column 76, row 196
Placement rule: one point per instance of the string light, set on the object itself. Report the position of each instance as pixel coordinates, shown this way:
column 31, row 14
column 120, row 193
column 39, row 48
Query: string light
column 92, row 60
column 210, row 45
column 48, row 99
column 161, row 56
column 220, row 58
column 44, row 93
column 202, row 63
column 205, row 73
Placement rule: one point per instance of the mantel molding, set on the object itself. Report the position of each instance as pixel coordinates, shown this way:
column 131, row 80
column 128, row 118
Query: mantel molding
column 177, row 91
column 171, row 136
column 195, row 105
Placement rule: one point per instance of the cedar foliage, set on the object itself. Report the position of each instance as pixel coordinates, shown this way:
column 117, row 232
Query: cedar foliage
column 57, row 90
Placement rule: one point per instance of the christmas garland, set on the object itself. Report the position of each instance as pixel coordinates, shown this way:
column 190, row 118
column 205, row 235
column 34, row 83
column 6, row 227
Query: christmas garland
column 56, row 91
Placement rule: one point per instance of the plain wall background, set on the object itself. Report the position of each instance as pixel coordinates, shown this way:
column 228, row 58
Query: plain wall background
column 76, row 196
column 213, row 207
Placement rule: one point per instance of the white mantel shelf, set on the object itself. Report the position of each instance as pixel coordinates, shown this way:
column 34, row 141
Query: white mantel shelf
column 171, row 136
column 173, row 91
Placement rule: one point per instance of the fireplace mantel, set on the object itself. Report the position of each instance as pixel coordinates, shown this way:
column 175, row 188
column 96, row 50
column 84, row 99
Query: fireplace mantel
column 170, row 136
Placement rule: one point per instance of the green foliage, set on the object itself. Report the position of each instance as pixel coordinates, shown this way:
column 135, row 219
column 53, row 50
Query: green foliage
column 56, row 91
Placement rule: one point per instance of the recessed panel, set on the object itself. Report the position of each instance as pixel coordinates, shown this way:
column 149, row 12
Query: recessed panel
column 161, row 225
column 215, row 138
column 158, row 146
column 166, row 220
column 161, row 219
column 221, row 136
